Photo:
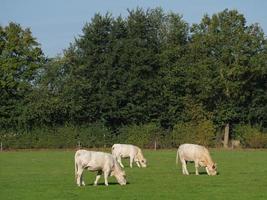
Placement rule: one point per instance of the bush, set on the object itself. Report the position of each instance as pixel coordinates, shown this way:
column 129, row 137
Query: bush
column 250, row 136
column 94, row 136
column 68, row 136
column 202, row 133
column 145, row 136
column 142, row 135
column 60, row 137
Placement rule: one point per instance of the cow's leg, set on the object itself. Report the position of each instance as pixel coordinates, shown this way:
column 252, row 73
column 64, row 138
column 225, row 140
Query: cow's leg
column 207, row 170
column 79, row 175
column 196, row 166
column 131, row 161
column 83, row 183
column 137, row 163
column 106, row 173
column 184, row 167
column 97, row 177
column 119, row 161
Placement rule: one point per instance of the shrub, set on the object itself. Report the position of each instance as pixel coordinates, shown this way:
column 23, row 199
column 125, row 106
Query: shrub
column 142, row 135
column 68, row 136
column 98, row 136
column 201, row 133
column 250, row 136
column 94, row 136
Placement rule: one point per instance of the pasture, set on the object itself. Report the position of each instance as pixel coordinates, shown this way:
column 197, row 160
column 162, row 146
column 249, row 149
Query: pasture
column 49, row 174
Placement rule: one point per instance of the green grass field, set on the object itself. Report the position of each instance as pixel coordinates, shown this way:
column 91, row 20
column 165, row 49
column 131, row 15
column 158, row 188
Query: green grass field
column 49, row 174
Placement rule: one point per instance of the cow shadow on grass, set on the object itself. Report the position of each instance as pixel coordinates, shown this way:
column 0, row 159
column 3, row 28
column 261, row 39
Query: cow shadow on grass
column 201, row 173
column 103, row 184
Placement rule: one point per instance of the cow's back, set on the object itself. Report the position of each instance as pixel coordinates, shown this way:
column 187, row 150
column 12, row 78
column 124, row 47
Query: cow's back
column 102, row 159
column 94, row 160
column 125, row 149
column 191, row 152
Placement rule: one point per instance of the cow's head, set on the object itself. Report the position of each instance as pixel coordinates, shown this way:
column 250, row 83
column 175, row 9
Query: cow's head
column 212, row 169
column 143, row 162
column 119, row 174
column 121, row 177
column 141, row 159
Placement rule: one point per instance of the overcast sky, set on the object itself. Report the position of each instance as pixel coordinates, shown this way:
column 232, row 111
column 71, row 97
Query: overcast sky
column 55, row 23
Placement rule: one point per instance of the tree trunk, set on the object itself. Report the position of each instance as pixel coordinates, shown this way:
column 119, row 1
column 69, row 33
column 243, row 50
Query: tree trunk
column 226, row 135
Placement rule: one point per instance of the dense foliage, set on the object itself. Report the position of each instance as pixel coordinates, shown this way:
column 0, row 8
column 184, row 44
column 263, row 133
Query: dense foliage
column 148, row 76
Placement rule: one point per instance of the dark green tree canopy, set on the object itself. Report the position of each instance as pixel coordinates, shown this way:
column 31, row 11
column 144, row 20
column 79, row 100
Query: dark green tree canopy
column 227, row 64
column 149, row 66
column 20, row 59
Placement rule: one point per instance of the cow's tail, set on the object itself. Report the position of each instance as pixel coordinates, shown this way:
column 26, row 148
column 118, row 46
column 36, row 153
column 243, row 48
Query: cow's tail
column 177, row 156
column 75, row 166
column 75, row 170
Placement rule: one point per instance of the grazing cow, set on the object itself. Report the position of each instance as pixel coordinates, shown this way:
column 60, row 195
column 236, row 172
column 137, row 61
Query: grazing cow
column 199, row 155
column 127, row 150
column 100, row 162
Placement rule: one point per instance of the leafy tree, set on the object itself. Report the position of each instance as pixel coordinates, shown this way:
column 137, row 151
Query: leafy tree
column 147, row 69
column 141, row 58
column 115, row 70
column 20, row 59
column 223, row 71
column 47, row 104
column 173, row 61
column 91, row 64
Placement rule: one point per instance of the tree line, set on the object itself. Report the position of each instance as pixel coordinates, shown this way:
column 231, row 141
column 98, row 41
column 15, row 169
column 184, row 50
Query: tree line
column 150, row 67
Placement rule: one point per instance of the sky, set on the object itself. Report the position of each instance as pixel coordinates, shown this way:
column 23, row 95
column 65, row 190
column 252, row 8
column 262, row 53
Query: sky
column 55, row 23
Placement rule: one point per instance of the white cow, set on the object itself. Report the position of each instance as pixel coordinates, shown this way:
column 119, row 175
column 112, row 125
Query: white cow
column 129, row 151
column 100, row 162
column 199, row 155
